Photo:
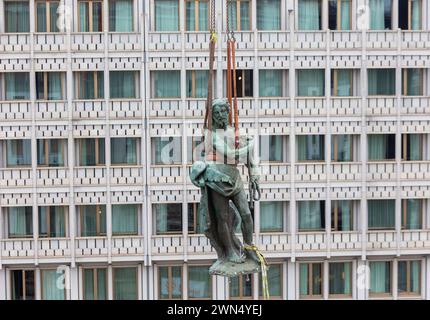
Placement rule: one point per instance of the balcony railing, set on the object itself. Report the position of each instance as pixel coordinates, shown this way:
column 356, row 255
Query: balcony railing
column 273, row 244
column 198, row 41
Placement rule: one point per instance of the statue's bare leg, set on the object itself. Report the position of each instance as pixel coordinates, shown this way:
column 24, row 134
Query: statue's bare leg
column 222, row 210
column 241, row 203
column 247, row 224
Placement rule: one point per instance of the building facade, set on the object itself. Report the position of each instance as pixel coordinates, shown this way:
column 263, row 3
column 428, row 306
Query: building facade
column 93, row 93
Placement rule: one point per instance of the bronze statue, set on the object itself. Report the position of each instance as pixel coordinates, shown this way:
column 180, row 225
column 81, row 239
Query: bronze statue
column 224, row 200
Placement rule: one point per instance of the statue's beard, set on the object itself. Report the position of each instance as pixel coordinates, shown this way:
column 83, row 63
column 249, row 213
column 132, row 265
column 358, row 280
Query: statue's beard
column 220, row 123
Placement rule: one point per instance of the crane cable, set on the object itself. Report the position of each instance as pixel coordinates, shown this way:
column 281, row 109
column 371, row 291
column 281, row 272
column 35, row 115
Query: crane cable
column 212, row 41
column 231, row 72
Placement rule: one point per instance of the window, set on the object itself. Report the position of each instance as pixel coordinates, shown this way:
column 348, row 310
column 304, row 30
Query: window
column 311, row 215
column 90, row 14
column 51, row 152
column 274, row 280
column 166, row 150
column 166, row 15
column 342, row 148
column 90, row 85
column 49, row 86
column 340, row 279
column 381, row 214
column 311, row 280
column 380, row 278
column 412, row 147
column 241, row 287
column 93, row 220
column 91, row 152
column 22, row 282
column 18, row 153
column 122, row 84
column 268, row 14
column 197, row 84
column 125, row 283
column 413, row 82
column 196, row 219
column 199, row 282
column 17, row 17
column 340, row 14
column 95, row 283
column 167, row 84
column 342, row 82
column 270, row 83
column 342, row 215
column 20, row 222
column 47, row 16
column 381, row 82
column 195, row 149
column 52, row 221
column 410, row 14
column 239, row 15
column 51, row 285
column 310, row 148
column 272, row 148
column 310, row 83
column 244, row 83
column 271, row 216
column 125, row 219
column 412, row 210
column 17, row 85
column 381, row 147
column 310, row 15
column 197, row 15
column 168, row 218
column 409, row 277
column 124, row 151
column 121, row 15
column 170, row 282
column 380, row 12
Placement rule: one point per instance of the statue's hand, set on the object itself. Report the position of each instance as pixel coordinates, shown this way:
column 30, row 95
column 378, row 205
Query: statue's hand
column 255, row 183
column 201, row 182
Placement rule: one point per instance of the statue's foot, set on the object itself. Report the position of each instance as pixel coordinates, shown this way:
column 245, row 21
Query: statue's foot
column 235, row 258
column 251, row 254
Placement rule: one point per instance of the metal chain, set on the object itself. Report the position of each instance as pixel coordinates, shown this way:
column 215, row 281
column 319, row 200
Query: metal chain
column 212, row 14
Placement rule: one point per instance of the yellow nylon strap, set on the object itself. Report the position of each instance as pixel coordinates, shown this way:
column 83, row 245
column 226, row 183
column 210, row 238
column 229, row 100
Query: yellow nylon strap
column 263, row 263
column 213, row 37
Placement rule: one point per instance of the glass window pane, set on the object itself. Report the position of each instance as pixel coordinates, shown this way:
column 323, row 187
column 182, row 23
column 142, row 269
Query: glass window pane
column 17, row 86
column 124, row 219
column 168, row 218
column 167, row 84
column 310, row 83
column 271, row 216
column 340, row 278
column 309, row 15
column 310, row 148
column 381, row 146
column 311, row 215
column 167, row 15
column 41, row 23
column 125, row 284
column 124, row 151
column 17, row 17
column 199, row 286
column 381, row 214
column 20, row 222
column 52, row 288
column 122, row 84
column 18, row 153
column 121, row 15
column 381, row 82
column 270, row 83
column 380, row 277
column 268, row 14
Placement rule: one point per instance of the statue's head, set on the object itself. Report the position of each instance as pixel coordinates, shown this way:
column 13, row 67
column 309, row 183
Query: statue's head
column 220, row 112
